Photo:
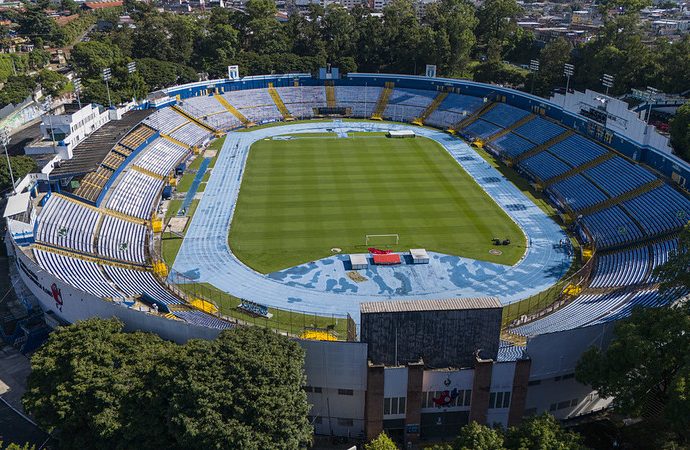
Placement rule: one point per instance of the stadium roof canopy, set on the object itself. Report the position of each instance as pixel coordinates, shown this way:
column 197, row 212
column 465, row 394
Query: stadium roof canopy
column 430, row 305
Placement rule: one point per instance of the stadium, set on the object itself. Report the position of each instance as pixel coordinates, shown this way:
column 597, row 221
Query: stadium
column 444, row 250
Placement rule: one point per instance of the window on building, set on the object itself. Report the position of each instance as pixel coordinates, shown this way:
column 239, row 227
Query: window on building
column 345, row 392
column 394, row 405
column 499, row 399
column 345, row 422
column 534, row 383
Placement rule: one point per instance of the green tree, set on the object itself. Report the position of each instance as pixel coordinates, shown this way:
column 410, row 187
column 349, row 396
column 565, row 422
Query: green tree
column 451, row 26
column 52, row 82
column 552, row 58
column 542, row 432
column 497, row 20
column 401, row 37
column 69, row 5
column 97, row 387
column 645, row 364
column 16, row 90
column 21, row 165
column 478, row 437
column 680, row 132
column 381, row 442
column 158, row 74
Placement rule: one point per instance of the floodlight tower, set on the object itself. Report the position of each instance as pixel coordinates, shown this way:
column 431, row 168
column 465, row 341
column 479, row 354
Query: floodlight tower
column 77, row 90
column 607, row 81
column 568, row 71
column 651, row 93
column 4, row 140
column 107, row 75
column 534, row 67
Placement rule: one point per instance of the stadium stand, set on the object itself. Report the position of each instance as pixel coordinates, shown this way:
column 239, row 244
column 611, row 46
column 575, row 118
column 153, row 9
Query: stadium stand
column 538, row 130
column 166, row 120
column 203, row 319
column 136, row 282
column 504, row 115
column 660, row 210
column 362, row 101
column 543, row 166
column 160, row 156
column 453, row 109
column 67, row 223
column 82, row 274
column 512, row 145
column 480, row 128
column 404, row 105
column 190, row 134
column 123, row 240
column 135, row 194
column 617, row 176
column 611, row 226
column 577, row 192
column 624, row 268
column 576, row 150
column 302, row 100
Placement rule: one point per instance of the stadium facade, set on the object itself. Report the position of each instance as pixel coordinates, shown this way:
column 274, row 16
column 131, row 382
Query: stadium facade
column 87, row 249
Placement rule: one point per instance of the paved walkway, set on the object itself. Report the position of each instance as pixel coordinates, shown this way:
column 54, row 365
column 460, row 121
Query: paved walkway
column 322, row 287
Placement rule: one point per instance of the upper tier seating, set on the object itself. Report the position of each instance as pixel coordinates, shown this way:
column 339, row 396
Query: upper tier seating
column 577, row 150
column 223, row 121
column 407, row 104
column 161, row 156
column 611, row 226
column 660, row 210
column 453, row 109
column 120, row 239
column 538, row 130
column 165, row 120
column 261, row 114
column 481, row 129
column 67, row 223
column 362, row 100
column 512, row 145
column 190, row 134
column 544, row 166
column 201, row 106
column 301, row 101
column 83, row 275
column 578, row 192
column 249, row 98
column 504, row 115
column 617, row 176
column 135, row 194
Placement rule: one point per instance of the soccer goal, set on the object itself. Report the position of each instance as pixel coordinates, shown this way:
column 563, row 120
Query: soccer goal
column 381, row 239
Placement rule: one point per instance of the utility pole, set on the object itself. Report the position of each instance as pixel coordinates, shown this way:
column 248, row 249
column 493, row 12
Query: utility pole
column 5, row 139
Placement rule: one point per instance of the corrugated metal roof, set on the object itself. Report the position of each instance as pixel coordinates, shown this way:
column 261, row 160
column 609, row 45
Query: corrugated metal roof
column 430, row 305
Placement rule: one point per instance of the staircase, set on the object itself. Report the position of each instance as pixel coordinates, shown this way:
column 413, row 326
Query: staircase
column 507, row 130
column 431, row 108
column 279, row 103
column 330, row 95
column 198, row 122
column 579, row 169
column 147, row 172
column 383, row 101
column 469, row 119
column 235, row 112
column 622, row 198
column 174, row 141
column 544, row 146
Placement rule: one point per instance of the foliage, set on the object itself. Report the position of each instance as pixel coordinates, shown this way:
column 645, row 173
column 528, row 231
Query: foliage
column 680, row 131
column 52, row 82
column 13, row 446
column 98, row 387
column 16, row 90
column 159, row 74
column 646, row 365
column 542, row 432
column 381, row 442
column 552, row 58
column 21, row 165
column 478, row 437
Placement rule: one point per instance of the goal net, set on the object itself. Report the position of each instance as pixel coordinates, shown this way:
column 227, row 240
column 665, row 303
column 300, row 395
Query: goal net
column 381, row 239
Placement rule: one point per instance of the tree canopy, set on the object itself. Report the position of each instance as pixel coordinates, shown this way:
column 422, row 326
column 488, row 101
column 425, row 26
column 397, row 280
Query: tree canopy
column 95, row 386
column 680, row 131
column 646, row 367
column 381, row 442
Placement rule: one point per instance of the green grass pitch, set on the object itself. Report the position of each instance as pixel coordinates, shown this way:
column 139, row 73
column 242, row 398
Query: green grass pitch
column 302, row 197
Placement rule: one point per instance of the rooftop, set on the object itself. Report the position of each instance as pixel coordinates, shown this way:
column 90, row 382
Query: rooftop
column 430, row 305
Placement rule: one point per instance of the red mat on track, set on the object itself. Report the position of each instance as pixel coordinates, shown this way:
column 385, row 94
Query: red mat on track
column 387, row 259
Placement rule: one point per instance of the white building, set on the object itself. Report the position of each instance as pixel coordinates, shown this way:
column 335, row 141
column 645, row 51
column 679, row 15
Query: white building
column 62, row 132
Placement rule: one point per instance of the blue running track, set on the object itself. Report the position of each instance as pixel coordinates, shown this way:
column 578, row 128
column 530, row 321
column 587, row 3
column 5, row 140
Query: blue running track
column 322, row 287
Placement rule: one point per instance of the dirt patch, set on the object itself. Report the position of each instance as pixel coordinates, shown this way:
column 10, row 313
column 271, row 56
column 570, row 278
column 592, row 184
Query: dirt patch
column 178, row 224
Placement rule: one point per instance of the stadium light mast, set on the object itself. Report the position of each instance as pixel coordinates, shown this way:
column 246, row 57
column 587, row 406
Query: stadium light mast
column 607, row 81
column 651, row 93
column 107, row 75
column 5, row 139
column 568, row 71
column 534, row 67
column 47, row 106
column 77, row 90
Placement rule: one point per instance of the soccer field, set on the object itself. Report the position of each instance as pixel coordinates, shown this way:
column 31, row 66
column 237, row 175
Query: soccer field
column 304, row 196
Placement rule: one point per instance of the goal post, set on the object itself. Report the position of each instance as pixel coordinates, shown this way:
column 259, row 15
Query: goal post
column 381, row 239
